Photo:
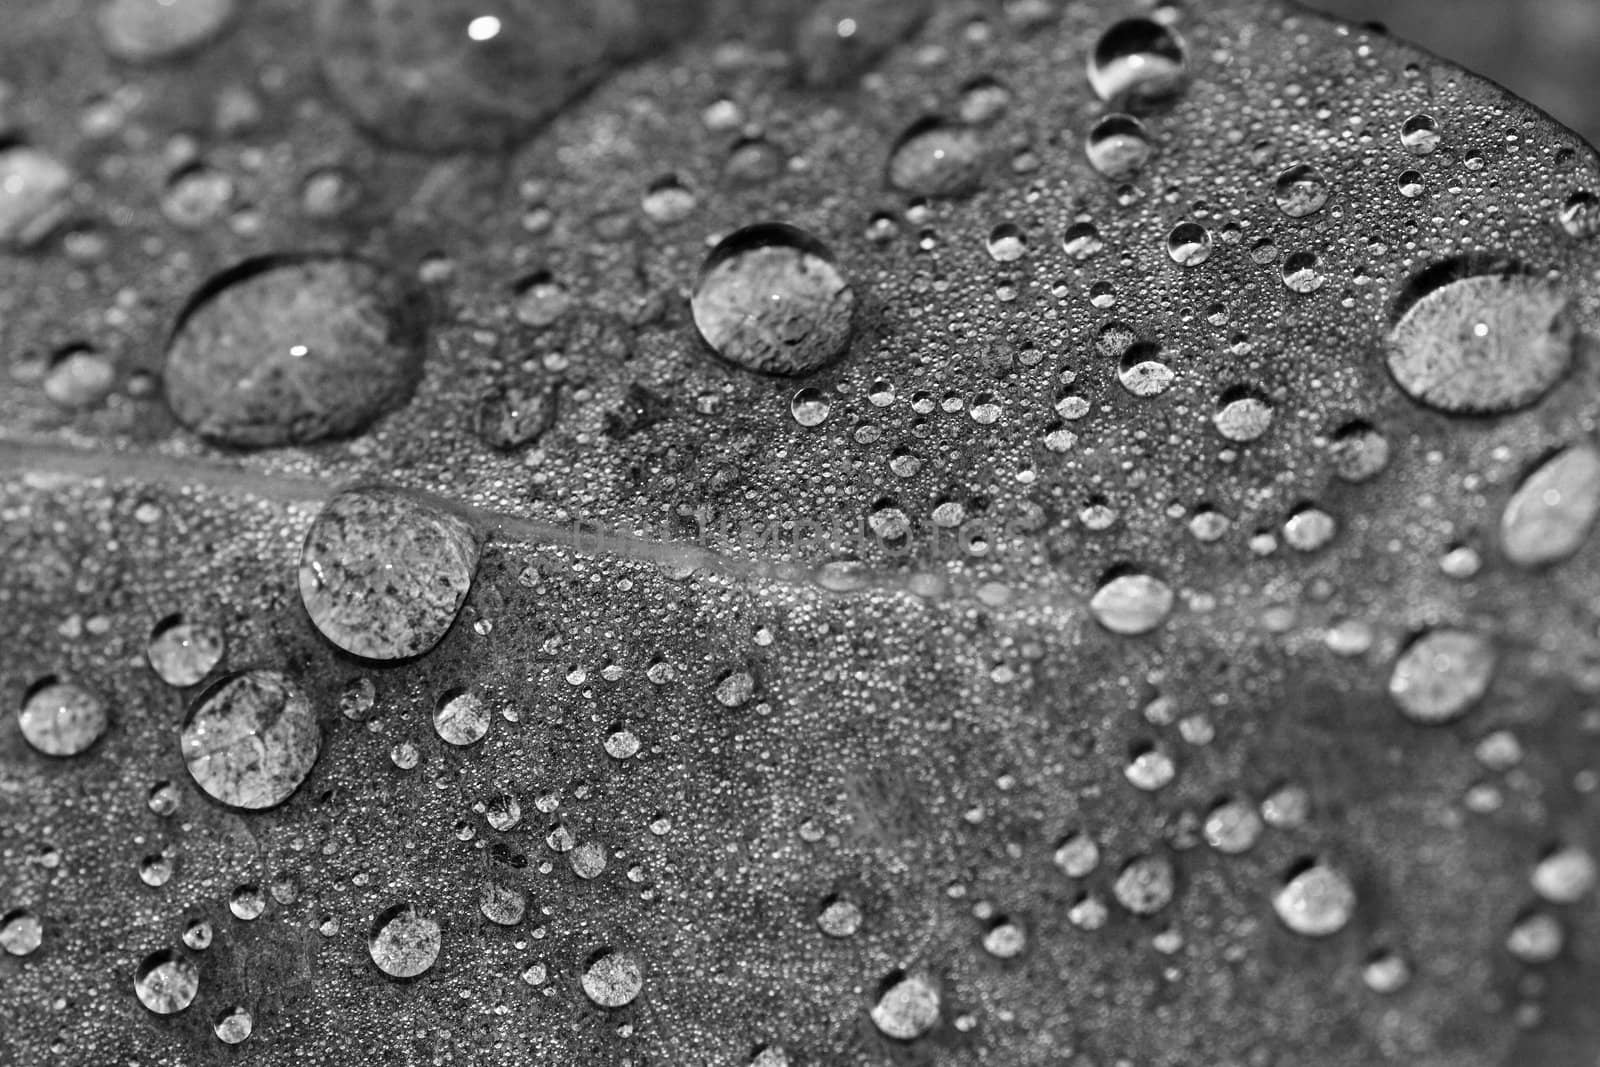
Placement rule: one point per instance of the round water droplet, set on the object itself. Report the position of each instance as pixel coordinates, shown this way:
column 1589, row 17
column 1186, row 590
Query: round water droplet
column 1565, row 875
column 149, row 31
column 166, row 982
column 1142, row 372
column 1233, row 827
column 1302, row 273
column 460, row 718
column 668, row 201
column 1472, row 339
column 294, row 349
column 1309, row 529
column 233, row 1025
column 79, row 378
column 1316, row 901
column 61, row 718
column 1550, row 515
column 1138, row 60
column 613, row 979
column 21, row 932
column 1536, row 937
column 1118, row 147
column 1132, row 603
column 182, row 650
column 810, row 407
column 403, row 943
column 938, row 158
column 1580, row 215
column 502, row 905
column 1301, row 190
column 250, row 739
column 1420, row 135
column 1242, row 415
column 907, row 1007
column 1145, row 885
column 196, row 195
column 1005, row 939
column 1441, row 675
column 1189, row 244
column 771, row 300
column 383, row 573
column 33, row 195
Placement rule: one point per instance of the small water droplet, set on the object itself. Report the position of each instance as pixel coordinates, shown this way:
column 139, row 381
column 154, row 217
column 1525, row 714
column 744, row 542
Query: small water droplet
column 251, row 739
column 60, row 718
column 1441, row 675
column 183, row 650
column 907, row 1007
column 404, row 943
column 166, row 982
column 936, row 158
column 1138, row 60
column 1553, row 510
column 1189, row 244
column 1420, row 135
column 1317, row 900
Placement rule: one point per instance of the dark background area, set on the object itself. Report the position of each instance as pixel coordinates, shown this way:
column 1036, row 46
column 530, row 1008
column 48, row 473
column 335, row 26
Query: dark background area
column 1546, row 51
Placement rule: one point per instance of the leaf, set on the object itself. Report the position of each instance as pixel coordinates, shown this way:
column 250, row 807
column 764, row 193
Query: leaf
column 1125, row 511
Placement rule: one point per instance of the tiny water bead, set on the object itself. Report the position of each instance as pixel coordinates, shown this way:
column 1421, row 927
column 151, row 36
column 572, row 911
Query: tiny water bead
column 1007, row 243
column 1360, row 451
column 246, row 902
column 1420, row 135
column 34, row 189
column 403, row 942
column 935, row 158
column 1132, row 603
column 166, row 982
column 294, row 349
column 502, row 905
column 1300, row 190
column 839, row 917
column 383, row 572
column 1118, row 146
column 907, row 1007
column 1082, row 241
column 1316, row 900
column 1077, row 855
column 1189, row 244
column 1139, row 61
column 1565, row 875
column 250, row 739
column 61, row 718
column 1005, row 939
column 198, row 934
column 1480, row 339
column 151, row 31
column 1441, row 675
column 771, row 300
column 79, row 378
column 461, row 718
column 21, row 932
column 1233, row 826
column 1553, row 510
column 613, row 979
column 1536, row 937
column 183, row 650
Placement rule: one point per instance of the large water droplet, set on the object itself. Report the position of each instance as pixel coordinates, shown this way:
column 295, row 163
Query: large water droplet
column 61, row 718
column 1132, row 603
column 250, row 739
column 771, row 300
column 166, row 982
column 21, row 932
column 1480, row 339
column 1441, row 675
column 402, row 942
column 1138, row 60
column 1300, row 191
column 147, row 31
column 1551, row 513
column 613, row 979
column 907, row 1007
column 938, row 158
column 289, row 350
column 383, row 572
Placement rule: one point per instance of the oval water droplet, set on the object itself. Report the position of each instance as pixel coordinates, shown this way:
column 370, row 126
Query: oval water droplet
column 383, row 572
column 1316, row 901
column 21, row 932
column 1301, row 190
column 166, row 982
column 1242, row 415
column 1550, row 515
column 613, row 979
column 1132, row 603
column 1476, row 338
column 1118, row 147
column 251, row 739
column 1441, row 675
column 907, row 1007
column 182, row 650
column 1420, row 135
column 60, row 718
column 771, row 300
column 1142, row 371
column 1138, row 60
column 33, row 195
column 150, row 31
column 294, row 349
column 938, row 158
column 1189, row 244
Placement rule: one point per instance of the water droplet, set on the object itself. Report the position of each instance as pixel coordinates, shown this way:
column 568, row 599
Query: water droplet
column 1146, row 884
column 182, row 650
column 1118, row 147
column 810, row 407
column 1005, row 939
column 983, row 99
column 21, row 932
column 196, row 195
column 1301, row 190
column 34, row 188
column 935, row 158
column 839, row 917
column 1441, row 675
column 1142, row 372
column 1189, row 244
column 1317, row 900
column 383, row 573
column 1565, row 875
column 294, row 349
column 736, row 689
column 1309, row 529
column 1550, row 515
column 150, row 31
column 1082, row 241
column 233, row 1025
column 250, row 739
column 1242, row 415
column 404, row 943
column 1420, row 135
column 197, row 935
column 668, row 201
column 503, row 905
column 1138, row 60
column 613, row 979
column 1580, row 215
column 247, row 903
column 771, row 300
column 166, row 982
column 1478, row 339
column 1302, row 273
column 1411, row 185
column 1233, row 827
column 1536, row 937
column 1132, row 603
column 1386, row 972
column 61, row 718
column 907, row 1007
column 461, row 718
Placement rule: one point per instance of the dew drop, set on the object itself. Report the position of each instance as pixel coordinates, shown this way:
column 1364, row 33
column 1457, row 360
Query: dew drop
column 1145, row 885
column 1317, row 900
column 1132, row 603
column 1189, row 244
column 21, row 932
column 461, row 718
column 233, row 1025
column 151, row 31
column 166, row 982
column 182, row 650
column 250, row 739
column 1580, row 215
column 1441, row 675
column 60, row 718
column 383, row 573
column 1420, row 135
column 613, row 979
column 771, row 300
column 1242, row 415
column 1565, row 875
column 1118, row 147
column 1302, row 273
column 404, row 943
column 1300, row 190
column 34, row 188
column 1360, row 451
column 934, row 158
column 1553, row 510
column 907, row 1007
